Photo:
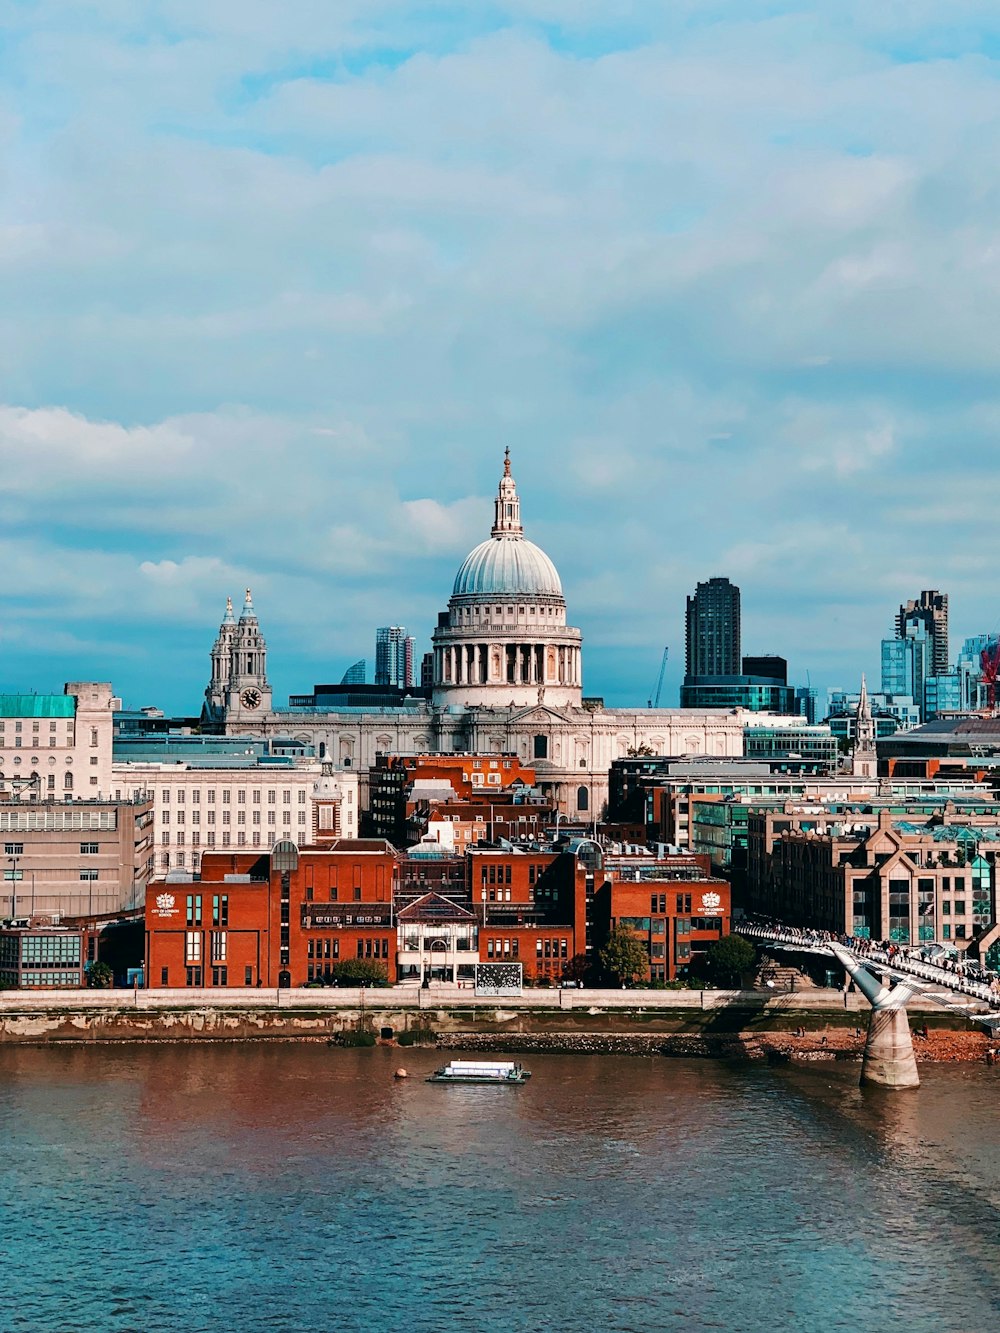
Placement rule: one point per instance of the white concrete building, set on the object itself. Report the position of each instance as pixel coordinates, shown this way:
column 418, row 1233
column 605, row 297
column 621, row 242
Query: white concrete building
column 57, row 746
column 198, row 809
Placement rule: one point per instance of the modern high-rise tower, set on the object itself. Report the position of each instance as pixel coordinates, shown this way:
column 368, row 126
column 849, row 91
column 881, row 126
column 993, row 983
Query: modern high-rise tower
column 713, row 630
column 394, row 651
column 931, row 611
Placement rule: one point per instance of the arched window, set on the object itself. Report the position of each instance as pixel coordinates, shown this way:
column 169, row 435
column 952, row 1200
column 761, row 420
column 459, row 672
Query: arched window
column 582, row 798
column 68, row 782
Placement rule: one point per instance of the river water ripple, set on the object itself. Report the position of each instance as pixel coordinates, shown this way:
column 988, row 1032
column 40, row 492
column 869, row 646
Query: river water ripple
column 210, row 1189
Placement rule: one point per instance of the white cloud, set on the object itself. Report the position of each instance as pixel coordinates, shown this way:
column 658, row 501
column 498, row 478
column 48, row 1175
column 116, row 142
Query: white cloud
column 279, row 283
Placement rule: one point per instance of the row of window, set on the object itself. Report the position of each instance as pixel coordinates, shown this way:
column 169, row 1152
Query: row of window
column 219, row 975
column 50, row 781
column 328, row 948
column 241, row 817
column 227, row 796
column 241, row 839
column 220, row 909
column 18, row 726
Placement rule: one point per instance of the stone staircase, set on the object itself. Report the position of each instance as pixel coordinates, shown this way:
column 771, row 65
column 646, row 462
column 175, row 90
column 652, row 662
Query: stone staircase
column 782, row 978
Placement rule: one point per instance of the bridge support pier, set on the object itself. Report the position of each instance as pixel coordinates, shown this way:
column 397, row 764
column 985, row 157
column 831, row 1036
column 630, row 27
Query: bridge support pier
column 889, row 1061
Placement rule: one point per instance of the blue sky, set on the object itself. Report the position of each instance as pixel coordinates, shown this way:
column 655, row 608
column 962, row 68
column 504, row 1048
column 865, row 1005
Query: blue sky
column 281, row 281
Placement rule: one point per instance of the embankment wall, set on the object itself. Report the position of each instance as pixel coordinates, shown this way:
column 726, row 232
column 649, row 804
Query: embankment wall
column 187, row 1015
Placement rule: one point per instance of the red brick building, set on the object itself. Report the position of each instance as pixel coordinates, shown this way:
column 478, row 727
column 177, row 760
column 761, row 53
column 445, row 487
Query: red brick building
column 399, row 784
column 532, row 909
column 279, row 919
column 673, row 904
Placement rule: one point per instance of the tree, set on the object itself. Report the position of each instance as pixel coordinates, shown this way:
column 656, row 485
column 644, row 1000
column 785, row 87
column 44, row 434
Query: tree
column 100, row 976
column 360, row 972
column 624, row 956
column 731, row 956
column 576, row 968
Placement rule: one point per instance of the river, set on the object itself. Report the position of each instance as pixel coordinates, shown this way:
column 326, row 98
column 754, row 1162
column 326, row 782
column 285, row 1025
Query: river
column 294, row 1187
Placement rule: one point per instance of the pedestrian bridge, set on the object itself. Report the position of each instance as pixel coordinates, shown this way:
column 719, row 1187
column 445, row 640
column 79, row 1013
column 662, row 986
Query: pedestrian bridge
column 887, row 979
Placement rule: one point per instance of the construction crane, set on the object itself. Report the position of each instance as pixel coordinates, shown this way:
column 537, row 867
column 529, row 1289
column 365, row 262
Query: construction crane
column 655, row 701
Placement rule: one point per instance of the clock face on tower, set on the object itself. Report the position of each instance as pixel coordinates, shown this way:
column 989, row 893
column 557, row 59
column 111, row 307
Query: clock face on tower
column 250, row 699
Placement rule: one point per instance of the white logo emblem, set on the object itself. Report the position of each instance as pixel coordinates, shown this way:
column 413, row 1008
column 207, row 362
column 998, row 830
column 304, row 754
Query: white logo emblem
column 165, row 901
column 711, row 901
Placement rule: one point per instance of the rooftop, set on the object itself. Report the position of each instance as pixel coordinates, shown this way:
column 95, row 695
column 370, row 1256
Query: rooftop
column 37, row 705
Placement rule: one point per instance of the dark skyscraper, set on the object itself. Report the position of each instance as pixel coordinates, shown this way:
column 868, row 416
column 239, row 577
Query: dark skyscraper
column 931, row 611
column 713, row 630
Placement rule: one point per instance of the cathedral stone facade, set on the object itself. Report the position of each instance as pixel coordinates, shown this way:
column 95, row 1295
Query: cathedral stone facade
column 508, row 676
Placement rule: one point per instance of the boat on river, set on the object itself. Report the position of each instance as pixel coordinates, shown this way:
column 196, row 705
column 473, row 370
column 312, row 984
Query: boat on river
column 481, row 1071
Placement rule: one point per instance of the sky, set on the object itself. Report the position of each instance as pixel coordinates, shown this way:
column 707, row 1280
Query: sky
column 279, row 282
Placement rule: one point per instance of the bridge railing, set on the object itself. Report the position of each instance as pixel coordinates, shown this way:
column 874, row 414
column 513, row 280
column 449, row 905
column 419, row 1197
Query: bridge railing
column 818, row 941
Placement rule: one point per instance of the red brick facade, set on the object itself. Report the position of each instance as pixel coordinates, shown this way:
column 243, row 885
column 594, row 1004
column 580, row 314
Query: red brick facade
column 674, row 905
column 250, row 922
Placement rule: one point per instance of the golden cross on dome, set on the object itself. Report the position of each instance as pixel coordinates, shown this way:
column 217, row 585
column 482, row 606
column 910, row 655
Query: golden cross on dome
column 506, row 461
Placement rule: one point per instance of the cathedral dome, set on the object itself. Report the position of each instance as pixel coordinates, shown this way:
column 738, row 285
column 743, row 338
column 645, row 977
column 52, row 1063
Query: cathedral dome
column 507, row 566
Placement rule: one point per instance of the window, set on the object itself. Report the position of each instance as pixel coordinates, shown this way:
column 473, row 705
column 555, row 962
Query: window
column 220, row 976
column 220, row 941
column 164, row 976
column 194, row 976
column 192, row 946
column 541, row 747
column 88, row 876
column 220, row 909
column 194, row 909
column 14, row 848
column 248, row 975
column 582, row 798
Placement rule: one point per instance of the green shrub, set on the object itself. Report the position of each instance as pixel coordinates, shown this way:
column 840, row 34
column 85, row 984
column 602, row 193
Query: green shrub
column 360, row 972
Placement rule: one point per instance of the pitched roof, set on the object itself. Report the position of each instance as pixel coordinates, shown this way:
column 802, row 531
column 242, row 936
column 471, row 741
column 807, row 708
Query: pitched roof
column 434, row 908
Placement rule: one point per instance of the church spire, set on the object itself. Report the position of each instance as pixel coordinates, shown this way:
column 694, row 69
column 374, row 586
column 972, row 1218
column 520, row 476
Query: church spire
column 248, row 612
column 864, row 707
column 229, row 618
column 864, row 762
column 507, row 522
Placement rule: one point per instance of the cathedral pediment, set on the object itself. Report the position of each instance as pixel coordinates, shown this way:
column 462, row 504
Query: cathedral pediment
column 538, row 714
